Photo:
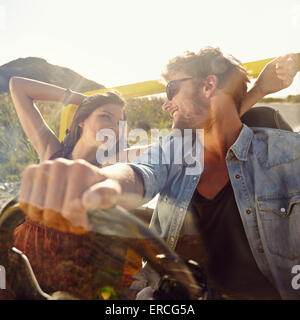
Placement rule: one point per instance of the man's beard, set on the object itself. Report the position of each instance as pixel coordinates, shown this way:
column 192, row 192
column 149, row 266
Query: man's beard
column 182, row 123
column 196, row 118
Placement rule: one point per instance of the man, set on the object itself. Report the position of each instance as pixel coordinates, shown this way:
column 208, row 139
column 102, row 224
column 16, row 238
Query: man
column 244, row 208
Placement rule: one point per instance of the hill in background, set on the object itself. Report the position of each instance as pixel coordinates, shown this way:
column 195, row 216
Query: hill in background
column 40, row 69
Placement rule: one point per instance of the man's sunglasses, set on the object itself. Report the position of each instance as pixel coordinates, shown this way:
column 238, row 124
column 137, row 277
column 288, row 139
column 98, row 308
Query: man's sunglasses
column 173, row 87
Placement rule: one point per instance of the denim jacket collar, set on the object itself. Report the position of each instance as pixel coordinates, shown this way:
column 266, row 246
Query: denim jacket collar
column 242, row 144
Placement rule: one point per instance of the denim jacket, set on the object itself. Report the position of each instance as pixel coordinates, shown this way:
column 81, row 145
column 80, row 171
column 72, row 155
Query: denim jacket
column 264, row 170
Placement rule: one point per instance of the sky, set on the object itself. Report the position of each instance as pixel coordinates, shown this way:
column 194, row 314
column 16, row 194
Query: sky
column 116, row 42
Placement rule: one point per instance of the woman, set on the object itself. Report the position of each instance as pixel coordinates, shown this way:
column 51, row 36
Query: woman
column 44, row 245
column 96, row 112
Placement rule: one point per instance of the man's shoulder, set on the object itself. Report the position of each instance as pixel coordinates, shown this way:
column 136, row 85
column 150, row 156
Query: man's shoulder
column 266, row 132
column 281, row 138
column 274, row 146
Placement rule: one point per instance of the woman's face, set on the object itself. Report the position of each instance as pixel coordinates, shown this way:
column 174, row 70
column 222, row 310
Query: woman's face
column 105, row 117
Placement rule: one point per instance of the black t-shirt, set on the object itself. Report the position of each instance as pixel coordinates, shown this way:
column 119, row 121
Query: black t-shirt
column 214, row 236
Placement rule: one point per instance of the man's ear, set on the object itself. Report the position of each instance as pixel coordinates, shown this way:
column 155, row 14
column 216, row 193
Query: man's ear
column 209, row 85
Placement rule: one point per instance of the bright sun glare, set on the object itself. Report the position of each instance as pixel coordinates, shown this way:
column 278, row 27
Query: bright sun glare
column 118, row 42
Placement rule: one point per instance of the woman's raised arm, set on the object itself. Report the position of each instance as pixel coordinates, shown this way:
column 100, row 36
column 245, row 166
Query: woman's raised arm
column 24, row 92
column 277, row 75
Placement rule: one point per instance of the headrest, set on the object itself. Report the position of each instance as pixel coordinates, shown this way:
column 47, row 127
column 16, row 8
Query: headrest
column 265, row 117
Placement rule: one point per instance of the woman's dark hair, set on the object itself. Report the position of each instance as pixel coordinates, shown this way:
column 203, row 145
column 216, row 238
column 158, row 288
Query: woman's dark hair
column 84, row 110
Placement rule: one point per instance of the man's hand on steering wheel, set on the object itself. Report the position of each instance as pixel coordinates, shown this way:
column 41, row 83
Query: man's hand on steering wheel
column 58, row 193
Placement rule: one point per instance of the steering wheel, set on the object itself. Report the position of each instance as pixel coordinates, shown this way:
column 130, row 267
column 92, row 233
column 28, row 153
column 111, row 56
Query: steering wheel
column 117, row 229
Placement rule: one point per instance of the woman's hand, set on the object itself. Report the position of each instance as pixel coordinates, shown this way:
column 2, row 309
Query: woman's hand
column 277, row 74
column 74, row 98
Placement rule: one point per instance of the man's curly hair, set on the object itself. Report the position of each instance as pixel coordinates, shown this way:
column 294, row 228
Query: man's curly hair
column 232, row 77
